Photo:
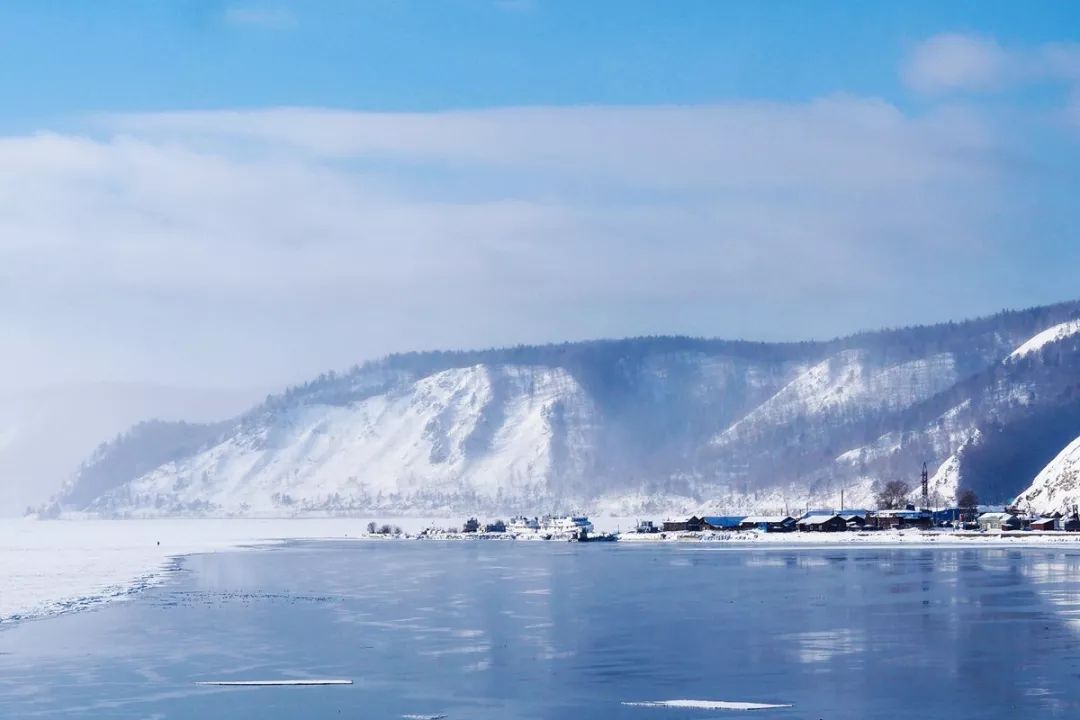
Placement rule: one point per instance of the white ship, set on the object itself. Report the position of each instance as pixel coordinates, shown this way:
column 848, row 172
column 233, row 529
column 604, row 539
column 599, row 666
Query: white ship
column 566, row 525
column 520, row 523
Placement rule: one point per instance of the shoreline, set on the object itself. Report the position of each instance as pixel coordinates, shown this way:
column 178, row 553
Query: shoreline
column 53, row 567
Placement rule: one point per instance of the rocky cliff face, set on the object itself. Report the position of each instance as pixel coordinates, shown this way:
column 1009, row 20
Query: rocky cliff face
column 634, row 425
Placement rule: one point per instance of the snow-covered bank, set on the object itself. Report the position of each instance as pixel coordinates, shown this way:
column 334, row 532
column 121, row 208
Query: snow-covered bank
column 876, row 538
column 52, row 566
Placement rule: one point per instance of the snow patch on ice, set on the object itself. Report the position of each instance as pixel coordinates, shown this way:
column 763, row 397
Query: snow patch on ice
column 273, row 683
column 707, row 705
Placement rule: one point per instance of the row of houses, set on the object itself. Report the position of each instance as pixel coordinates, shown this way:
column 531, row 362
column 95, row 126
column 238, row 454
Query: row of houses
column 831, row 521
column 1004, row 520
column 768, row 523
column 813, row 521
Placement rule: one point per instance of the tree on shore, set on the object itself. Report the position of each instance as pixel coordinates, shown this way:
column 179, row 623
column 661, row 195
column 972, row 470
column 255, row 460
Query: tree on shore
column 893, row 495
column 966, row 499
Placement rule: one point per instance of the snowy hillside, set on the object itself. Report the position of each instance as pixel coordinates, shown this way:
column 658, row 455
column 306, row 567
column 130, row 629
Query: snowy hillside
column 1053, row 334
column 1057, row 486
column 644, row 424
column 461, row 436
column 848, row 382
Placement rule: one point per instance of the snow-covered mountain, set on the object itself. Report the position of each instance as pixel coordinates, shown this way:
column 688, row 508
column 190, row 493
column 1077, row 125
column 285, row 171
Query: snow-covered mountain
column 473, row 434
column 628, row 425
column 1057, row 486
column 1051, row 335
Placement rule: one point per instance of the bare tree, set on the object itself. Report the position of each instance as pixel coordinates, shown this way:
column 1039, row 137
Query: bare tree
column 372, row 527
column 967, row 499
column 893, row 495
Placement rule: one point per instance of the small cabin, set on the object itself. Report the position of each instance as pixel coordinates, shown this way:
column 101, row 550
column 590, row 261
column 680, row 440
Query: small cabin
column 951, row 517
column 693, row 524
column 854, row 519
column 646, row 527
column 999, row 521
column 768, row 523
column 821, row 523
column 1044, row 523
column 496, row 527
column 722, row 522
column 1071, row 524
column 471, row 525
column 899, row 519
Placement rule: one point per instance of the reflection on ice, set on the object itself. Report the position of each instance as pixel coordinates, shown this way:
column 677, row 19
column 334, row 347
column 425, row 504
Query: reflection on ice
column 433, row 628
column 823, row 646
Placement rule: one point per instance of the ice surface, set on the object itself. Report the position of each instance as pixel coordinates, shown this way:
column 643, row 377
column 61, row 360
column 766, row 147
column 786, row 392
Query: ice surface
column 53, row 566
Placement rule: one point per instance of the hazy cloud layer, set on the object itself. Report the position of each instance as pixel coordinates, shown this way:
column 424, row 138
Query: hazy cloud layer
column 970, row 63
column 252, row 247
column 271, row 18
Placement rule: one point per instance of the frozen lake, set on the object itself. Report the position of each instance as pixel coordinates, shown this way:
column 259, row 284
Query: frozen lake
column 556, row 630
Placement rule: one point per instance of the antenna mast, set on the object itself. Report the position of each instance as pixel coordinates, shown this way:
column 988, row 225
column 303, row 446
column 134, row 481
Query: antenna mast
column 925, row 488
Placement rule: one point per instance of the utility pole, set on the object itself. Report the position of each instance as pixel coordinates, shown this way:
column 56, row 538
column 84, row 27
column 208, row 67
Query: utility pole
column 925, row 488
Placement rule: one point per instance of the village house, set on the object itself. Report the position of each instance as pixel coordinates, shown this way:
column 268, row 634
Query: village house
column 722, row 522
column 854, row 519
column 951, row 517
column 693, row 524
column 822, row 523
column 1044, row 523
column 1071, row 524
column 999, row 521
column 899, row 519
column 768, row 523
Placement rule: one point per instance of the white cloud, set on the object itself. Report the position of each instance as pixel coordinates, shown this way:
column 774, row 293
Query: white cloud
column 967, row 63
column 272, row 18
column 516, row 5
column 244, row 247
column 958, row 62
column 843, row 141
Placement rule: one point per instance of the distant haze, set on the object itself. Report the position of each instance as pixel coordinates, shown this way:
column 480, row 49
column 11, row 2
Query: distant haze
column 45, row 434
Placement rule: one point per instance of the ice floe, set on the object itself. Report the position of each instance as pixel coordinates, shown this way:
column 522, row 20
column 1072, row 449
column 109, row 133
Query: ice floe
column 707, row 704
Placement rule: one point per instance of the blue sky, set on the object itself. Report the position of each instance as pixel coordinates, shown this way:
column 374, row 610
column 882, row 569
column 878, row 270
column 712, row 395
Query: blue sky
column 62, row 58
column 210, row 192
